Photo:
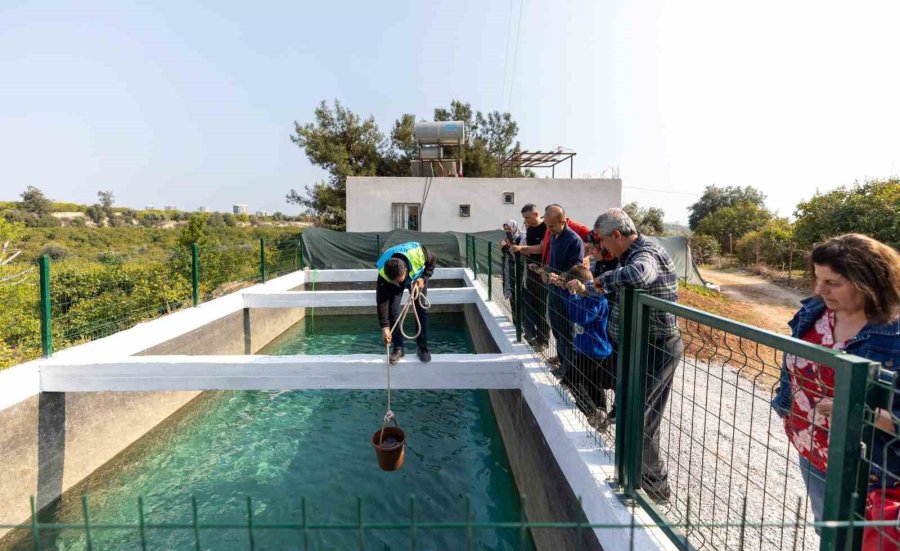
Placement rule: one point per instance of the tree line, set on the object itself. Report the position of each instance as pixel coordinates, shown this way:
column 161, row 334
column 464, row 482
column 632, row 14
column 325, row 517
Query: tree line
column 735, row 221
column 36, row 210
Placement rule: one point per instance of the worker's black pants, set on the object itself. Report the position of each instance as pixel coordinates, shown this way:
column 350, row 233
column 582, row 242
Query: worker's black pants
column 395, row 304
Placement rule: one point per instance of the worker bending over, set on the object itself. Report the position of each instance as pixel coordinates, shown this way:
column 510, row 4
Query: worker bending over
column 402, row 267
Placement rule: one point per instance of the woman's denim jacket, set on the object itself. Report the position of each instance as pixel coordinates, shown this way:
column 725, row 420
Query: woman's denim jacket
column 879, row 343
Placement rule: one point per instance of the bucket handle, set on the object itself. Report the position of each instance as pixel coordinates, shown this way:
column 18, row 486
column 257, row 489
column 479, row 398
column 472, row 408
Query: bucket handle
column 389, row 416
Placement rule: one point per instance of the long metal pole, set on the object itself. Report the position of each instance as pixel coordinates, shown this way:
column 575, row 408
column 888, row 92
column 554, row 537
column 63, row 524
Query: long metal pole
column 520, row 268
column 301, row 253
column 195, row 273
column 474, row 258
column 262, row 259
column 46, row 333
column 490, row 271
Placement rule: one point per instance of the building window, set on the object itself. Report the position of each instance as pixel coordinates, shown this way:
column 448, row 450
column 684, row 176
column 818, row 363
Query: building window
column 509, row 198
column 405, row 216
column 465, row 211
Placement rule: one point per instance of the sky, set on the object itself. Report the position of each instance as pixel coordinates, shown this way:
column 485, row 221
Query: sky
column 190, row 104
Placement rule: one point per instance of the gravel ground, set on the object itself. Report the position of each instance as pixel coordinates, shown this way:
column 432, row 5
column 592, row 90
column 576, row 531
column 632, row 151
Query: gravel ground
column 723, row 442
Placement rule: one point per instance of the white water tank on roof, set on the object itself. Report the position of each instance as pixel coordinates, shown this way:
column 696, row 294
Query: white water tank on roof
column 442, row 132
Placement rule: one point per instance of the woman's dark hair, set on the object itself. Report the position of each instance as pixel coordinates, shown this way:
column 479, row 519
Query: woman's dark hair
column 870, row 265
column 394, row 267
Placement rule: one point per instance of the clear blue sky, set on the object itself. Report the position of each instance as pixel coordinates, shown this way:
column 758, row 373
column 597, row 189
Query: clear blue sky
column 188, row 105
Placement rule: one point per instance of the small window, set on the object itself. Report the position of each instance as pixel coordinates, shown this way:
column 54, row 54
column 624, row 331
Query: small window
column 509, row 198
column 405, row 216
column 464, row 211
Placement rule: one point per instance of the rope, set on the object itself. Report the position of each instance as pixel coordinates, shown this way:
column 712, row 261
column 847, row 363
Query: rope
column 415, row 295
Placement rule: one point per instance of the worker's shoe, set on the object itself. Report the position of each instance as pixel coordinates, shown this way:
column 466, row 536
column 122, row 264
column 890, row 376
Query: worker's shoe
column 424, row 354
column 396, row 354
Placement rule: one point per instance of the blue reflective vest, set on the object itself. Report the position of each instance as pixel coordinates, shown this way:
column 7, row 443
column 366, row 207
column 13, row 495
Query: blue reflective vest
column 412, row 253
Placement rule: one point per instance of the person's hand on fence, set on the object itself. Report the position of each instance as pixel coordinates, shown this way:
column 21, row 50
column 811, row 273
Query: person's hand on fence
column 576, row 287
column 824, row 408
column 386, row 335
column 598, row 284
column 515, row 248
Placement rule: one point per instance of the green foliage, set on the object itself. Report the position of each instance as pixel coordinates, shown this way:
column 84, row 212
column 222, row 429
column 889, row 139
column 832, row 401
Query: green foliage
column 95, row 213
column 769, row 245
column 704, row 248
column 734, row 221
column 113, row 278
column 10, row 234
column 715, row 198
column 35, row 202
column 55, row 251
column 649, row 221
column 871, row 208
column 345, row 145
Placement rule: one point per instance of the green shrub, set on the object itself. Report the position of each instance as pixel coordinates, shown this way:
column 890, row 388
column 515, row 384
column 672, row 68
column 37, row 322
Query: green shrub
column 704, row 248
column 55, row 251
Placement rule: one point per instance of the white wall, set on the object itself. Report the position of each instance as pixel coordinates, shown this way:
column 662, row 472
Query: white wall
column 369, row 200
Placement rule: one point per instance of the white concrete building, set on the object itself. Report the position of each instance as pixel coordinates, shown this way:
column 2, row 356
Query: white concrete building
column 470, row 204
column 240, row 209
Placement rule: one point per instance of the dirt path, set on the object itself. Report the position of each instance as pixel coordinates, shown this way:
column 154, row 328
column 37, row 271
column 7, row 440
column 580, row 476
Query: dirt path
column 773, row 303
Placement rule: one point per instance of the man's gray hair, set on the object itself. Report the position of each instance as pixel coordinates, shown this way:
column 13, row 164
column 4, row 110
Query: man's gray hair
column 614, row 219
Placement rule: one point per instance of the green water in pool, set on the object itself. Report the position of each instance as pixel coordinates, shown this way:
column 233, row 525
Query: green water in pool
column 447, row 333
column 279, row 446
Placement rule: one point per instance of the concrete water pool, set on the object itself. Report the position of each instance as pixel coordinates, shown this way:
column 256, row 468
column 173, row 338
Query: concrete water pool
column 274, row 392
column 278, row 446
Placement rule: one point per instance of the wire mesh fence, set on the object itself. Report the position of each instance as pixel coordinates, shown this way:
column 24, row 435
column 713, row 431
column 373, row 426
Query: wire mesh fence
column 577, row 355
column 261, row 524
column 689, row 414
column 20, row 325
column 90, row 297
column 713, row 446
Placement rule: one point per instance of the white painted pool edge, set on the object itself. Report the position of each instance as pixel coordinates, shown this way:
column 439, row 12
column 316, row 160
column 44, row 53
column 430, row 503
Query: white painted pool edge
column 335, row 372
column 23, row 381
column 584, row 464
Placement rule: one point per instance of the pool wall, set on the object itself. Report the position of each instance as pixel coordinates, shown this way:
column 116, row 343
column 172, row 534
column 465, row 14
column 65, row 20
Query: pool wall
column 553, row 456
column 50, row 441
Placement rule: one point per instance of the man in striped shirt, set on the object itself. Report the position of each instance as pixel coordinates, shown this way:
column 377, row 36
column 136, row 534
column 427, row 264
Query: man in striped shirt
column 647, row 266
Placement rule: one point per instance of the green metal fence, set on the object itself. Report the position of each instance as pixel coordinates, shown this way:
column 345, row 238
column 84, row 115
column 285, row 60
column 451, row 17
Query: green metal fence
column 253, row 526
column 50, row 305
column 696, row 413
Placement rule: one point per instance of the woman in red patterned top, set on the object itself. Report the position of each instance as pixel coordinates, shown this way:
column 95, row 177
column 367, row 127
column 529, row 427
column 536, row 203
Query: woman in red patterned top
column 856, row 310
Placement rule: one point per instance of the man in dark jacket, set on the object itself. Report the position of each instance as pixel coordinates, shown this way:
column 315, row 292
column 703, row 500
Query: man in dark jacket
column 402, row 267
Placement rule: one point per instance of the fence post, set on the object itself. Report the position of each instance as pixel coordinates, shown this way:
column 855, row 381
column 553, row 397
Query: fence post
column 490, row 271
column 517, row 296
column 637, row 382
column 623, row 363
column 845, row 446
column 302, row 263
column 46, row 333
column 262, row 259
column 195, row 273
column 466, row 264
column 474, row 258
column 377, row 246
